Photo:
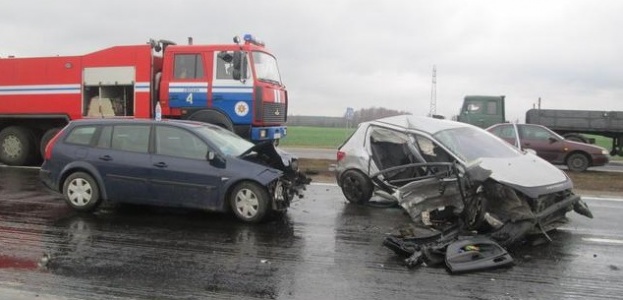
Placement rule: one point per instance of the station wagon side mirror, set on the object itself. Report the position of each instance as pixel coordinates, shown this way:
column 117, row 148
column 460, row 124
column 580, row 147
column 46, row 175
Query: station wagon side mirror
column 215, row 159
column 552, row 140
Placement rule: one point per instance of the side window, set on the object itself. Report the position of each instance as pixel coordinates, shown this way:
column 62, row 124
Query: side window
column 105, row 137
column 179, row 143
column 134, row 138
column 539, row 133
column 188, row 66
column 81, row 135
column 224, row 65
column 506, row 132
column 473, row 107
column 492, row 108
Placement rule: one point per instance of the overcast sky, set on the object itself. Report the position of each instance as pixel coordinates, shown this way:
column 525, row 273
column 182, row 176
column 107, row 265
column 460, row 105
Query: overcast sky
column 346, row 53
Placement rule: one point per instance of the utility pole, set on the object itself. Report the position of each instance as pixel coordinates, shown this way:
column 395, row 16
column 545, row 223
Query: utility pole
column 433, row 94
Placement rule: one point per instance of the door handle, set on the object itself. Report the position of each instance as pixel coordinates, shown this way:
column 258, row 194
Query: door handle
column 105, row 158
column 160, row 165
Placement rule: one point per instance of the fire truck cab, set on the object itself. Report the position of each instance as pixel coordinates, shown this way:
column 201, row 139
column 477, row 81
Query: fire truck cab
column 236, row 86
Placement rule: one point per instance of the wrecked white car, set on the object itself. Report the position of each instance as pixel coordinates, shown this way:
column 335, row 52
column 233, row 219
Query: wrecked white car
column 454, row 180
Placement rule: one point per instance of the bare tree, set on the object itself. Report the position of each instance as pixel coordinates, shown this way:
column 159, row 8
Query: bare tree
column 372, row 113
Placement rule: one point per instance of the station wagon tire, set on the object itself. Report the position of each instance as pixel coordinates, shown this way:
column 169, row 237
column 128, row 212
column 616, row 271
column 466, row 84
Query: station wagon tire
column 17, row 146
column 577, row 162
column 249, row 201
column 356, row 187
column 81, row 192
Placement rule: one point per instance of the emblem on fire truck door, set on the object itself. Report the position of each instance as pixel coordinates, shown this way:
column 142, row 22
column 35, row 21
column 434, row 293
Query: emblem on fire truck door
column 241, row 108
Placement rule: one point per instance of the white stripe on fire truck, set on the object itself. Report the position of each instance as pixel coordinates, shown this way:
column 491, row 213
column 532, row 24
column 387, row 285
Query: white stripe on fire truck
column 232, row 89
column 277, row 96
column 40, row 89
column 187, row 84
column 142, row 87
column 186, row 87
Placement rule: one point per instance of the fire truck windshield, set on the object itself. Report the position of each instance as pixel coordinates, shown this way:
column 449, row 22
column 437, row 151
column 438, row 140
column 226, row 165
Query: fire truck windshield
column 266, row 69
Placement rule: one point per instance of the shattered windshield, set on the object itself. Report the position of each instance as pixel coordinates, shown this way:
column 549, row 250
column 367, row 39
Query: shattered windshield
column 226, row 141
column 266, row 68
column 469, row 144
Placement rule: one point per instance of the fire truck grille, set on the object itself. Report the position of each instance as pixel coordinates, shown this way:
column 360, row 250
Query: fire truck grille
column 274, row 112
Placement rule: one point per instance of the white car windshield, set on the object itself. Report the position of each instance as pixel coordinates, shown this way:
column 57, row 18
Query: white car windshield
column 470, row 143
column 226, row 141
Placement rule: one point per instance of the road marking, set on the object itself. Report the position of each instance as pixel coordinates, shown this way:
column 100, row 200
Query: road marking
column 602, row 199
column 604, row 241
column 323, row 184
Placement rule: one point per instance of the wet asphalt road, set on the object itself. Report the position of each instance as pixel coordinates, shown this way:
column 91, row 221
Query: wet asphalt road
column 323, row 248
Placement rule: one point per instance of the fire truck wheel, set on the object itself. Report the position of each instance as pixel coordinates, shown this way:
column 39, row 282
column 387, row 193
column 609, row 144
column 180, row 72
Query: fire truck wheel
column 45, row 139
column 16, row 146
column 212, row 117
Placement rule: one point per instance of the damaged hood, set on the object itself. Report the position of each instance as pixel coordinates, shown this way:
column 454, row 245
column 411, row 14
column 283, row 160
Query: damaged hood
column 267, row 154
column 276, row 158
column 527, row 173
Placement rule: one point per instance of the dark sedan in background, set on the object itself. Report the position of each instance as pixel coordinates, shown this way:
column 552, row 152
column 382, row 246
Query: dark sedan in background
column 551, row 146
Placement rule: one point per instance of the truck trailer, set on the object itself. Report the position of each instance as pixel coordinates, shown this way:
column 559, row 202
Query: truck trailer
column 236, row 86
column 572, row 124
column 484, row 111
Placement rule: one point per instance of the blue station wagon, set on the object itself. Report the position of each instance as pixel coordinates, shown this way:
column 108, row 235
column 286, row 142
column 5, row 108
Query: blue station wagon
column 169, row 163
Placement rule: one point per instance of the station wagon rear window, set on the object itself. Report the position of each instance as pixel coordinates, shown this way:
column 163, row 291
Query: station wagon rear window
column 81, row 135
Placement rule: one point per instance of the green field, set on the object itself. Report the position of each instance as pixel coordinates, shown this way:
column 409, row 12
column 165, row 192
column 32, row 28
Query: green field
column 316, row 137
column 601, row 141
column 330, row 137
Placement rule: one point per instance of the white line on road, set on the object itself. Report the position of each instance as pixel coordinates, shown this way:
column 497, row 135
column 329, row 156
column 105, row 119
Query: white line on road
column 604, row 241
column 602, row 199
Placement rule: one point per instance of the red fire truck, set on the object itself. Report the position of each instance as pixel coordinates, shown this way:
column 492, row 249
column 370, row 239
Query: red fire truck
column 236, row 86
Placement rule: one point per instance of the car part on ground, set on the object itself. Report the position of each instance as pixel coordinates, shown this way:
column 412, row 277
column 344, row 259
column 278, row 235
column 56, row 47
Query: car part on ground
column 476, row 254
column 448, row 173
